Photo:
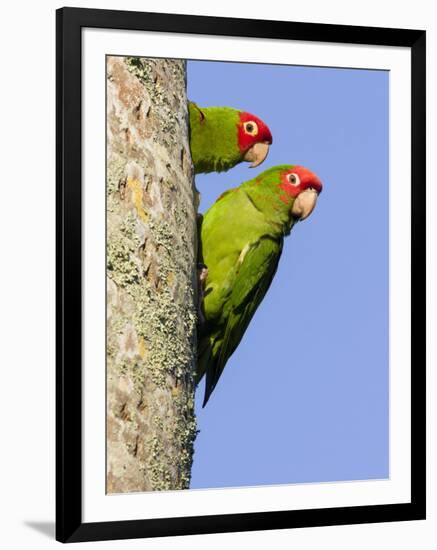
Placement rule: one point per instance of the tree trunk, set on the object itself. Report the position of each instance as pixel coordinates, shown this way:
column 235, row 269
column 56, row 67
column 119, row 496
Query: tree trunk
column 151, row 277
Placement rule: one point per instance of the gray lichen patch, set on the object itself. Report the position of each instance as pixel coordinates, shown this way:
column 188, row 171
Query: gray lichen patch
column 155, row 77
column 123, row 266
column 151, row 258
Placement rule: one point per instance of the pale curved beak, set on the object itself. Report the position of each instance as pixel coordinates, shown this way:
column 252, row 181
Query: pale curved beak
column 304, row 204
column 257, row 154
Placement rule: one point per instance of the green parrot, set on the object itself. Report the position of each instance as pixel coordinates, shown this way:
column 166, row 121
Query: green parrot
column 241, row 239
column 221, row 137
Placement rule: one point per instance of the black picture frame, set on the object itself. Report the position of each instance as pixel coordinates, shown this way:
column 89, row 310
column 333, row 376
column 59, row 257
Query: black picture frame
column 69, row 525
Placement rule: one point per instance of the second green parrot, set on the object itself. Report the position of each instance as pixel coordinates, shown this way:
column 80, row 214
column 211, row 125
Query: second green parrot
column 241, row 239
column 222, row 137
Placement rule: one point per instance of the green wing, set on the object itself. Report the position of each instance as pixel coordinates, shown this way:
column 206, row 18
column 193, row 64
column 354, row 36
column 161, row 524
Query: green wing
column 213, row 138
column 252, row 280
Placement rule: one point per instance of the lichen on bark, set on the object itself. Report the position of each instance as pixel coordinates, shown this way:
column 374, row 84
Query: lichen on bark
column 151, row 277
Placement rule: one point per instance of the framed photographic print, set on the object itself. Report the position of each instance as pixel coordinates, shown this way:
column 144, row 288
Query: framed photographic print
column 241, row 274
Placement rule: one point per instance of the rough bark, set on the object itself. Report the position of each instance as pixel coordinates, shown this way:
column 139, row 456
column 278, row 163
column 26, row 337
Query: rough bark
column 151, row 282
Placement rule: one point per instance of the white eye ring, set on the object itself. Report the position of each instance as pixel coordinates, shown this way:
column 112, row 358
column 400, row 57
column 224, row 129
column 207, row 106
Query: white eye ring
column 294, row 179
column 251, row 128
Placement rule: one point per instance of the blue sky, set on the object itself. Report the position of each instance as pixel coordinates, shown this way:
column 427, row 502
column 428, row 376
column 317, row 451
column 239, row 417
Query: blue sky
column 305, row 396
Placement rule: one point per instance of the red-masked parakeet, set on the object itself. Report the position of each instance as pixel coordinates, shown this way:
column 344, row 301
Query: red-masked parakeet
column 241, row 238
column 221, row 137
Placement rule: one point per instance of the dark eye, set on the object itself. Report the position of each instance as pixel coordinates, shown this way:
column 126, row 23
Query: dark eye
column 294, row 179
column 251, row 128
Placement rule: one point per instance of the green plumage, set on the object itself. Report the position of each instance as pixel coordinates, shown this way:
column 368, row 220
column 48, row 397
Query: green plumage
column 213, row 138
column 241, row 238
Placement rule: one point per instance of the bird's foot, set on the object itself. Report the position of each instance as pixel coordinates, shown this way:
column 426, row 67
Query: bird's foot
column 202, row 274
